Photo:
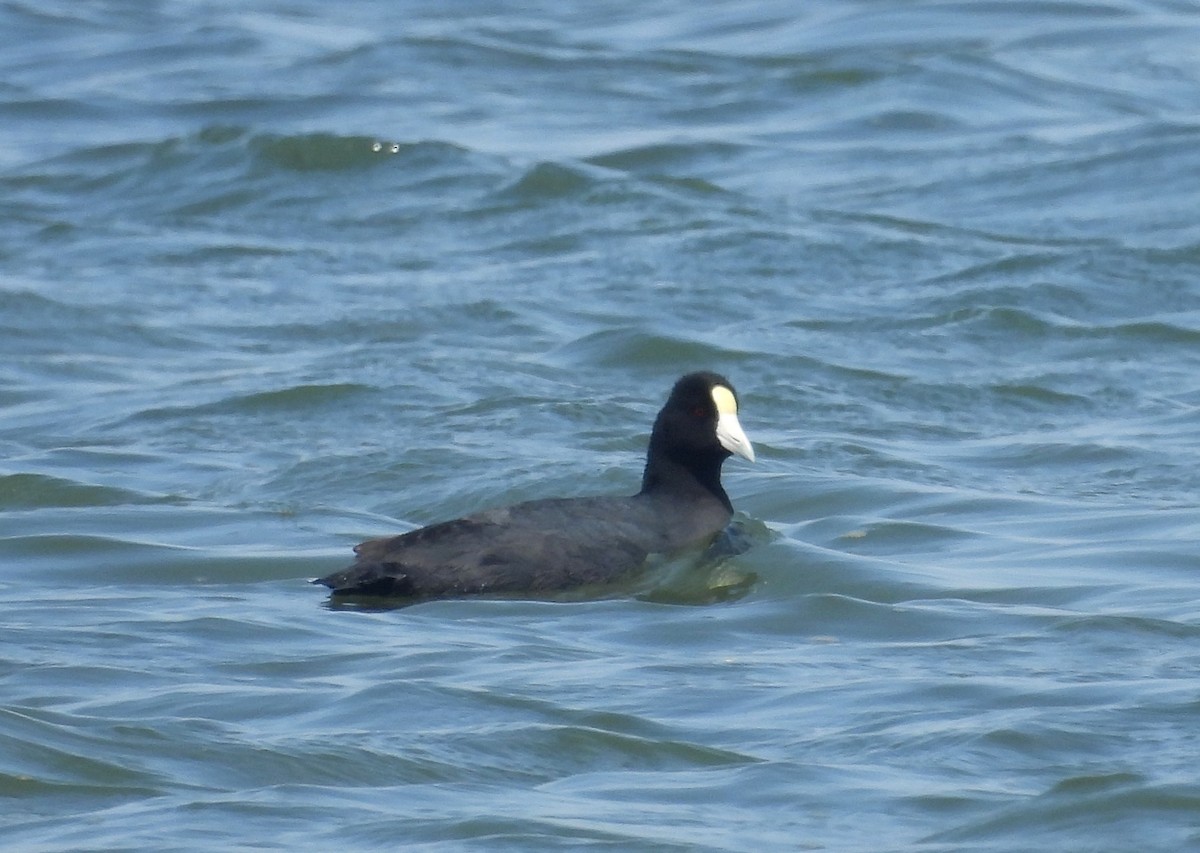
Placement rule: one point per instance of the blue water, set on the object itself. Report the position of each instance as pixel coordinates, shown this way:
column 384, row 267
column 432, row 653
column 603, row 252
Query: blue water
column 276, row 278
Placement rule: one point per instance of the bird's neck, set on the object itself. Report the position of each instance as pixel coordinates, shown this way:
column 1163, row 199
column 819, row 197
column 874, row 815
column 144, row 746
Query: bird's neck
column 698, row 474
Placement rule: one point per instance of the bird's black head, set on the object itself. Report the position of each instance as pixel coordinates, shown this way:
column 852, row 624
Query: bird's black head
column 695, row 432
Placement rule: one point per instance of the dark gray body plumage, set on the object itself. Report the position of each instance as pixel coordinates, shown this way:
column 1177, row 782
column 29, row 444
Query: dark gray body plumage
column 539, row 546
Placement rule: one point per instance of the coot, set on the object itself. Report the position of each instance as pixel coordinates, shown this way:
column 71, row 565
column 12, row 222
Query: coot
column 544, row 546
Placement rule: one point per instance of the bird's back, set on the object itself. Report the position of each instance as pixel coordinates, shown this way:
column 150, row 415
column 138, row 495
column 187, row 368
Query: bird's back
column 541, row 545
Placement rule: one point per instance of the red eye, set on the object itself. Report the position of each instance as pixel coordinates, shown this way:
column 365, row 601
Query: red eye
column 698, row 412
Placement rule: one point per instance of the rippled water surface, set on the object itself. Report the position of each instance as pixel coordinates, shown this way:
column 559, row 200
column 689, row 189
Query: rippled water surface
column 278, row 277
